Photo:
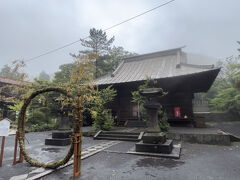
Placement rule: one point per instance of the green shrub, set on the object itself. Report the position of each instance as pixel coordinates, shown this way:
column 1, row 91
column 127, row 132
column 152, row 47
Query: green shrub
column 37, row 117
column 163, row 121
column 42, row 127
column 108, row 123
column 102, row 119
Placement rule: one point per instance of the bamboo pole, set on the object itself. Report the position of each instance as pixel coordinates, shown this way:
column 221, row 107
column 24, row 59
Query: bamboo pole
column 2, row 150
column 15, row 149
column 20, row 160
column 78, row 143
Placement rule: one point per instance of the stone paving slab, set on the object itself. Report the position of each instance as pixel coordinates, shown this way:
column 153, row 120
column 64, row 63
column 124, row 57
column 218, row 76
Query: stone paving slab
column 85, row 154
column 37, row 149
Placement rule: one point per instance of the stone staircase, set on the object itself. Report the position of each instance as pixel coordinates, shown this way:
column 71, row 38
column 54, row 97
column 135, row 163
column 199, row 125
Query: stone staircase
column 135, row 123
column 120, row 136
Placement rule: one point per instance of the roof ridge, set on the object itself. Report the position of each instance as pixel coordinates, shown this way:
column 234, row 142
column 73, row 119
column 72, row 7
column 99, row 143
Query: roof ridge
column 197, row 65
column 118, row 68
column 153, row 54
column 11, row 81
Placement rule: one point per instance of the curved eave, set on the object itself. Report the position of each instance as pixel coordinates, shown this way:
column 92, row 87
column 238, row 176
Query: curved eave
column 194, row 82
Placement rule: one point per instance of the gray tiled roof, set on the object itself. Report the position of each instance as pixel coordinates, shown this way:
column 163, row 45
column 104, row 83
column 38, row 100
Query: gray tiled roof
column 158, row 65
column 9, row 81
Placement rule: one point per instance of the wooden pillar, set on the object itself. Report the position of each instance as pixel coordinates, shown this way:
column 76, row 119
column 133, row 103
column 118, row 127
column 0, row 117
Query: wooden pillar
column 2, row 150
column 20, row 160
column 78, row 143
column 77, row 155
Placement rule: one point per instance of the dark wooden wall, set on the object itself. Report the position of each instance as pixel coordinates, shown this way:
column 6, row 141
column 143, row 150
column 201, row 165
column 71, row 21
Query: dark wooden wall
column 182, row 100
column 124, row 109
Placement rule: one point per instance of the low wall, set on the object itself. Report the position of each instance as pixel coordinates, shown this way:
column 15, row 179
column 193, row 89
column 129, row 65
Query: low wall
column 217, row 117
column 213, row 139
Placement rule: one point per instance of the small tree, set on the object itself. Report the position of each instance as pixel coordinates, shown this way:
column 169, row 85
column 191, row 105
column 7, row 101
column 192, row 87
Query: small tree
column 93, row 99
column 64, row 75
column 227, row 92
column 102, row 117
column 44, row 76
column 8, row 72
column 98, row 42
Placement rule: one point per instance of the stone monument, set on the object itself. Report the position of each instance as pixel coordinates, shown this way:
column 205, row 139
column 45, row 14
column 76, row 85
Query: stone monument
column 153, row 140
column 62, row 136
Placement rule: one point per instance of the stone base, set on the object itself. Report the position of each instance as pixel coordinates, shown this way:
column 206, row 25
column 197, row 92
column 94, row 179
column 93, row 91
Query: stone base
column 175, row 154
column 59, row 138
column 154, row 138
column 58, row 142
column 165, row 148
column 61, row 134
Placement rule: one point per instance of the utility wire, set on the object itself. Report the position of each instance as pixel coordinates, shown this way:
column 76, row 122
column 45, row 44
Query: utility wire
column 113, row 26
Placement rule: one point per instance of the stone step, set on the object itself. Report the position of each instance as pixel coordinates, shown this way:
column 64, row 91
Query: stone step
column 119, row 135
column 116, row 138
column 136, row 124
column 113, row 135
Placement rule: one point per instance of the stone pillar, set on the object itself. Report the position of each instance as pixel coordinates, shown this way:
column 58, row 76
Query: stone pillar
column 152, row 113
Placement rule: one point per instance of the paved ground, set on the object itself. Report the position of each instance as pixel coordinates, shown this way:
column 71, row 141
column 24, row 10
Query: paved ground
column 197, row 162
column 37, row 150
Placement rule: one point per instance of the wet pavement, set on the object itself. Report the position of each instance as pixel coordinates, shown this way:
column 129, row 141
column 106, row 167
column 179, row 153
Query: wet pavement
column 36, row 148
column 197, row 162
column 200, row 162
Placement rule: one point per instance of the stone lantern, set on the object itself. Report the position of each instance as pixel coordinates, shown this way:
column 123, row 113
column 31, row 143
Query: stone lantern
column 153, row 140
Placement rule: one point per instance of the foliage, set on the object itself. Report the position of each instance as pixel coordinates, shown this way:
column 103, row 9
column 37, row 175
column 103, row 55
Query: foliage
column 44, row 76
column 117, row 54
column 102, row 117
column 15, row 93
column 64, row 75
column 138, row 98
column 163, row 120
column 8, row 72
column 227, row 100
column 39, row 116
column 93, row 99
column 109, row 62
column 224, row 94
column 108, row 124
column 107, row 57
column 16, row 107
column 98, row 43
column 42, row 127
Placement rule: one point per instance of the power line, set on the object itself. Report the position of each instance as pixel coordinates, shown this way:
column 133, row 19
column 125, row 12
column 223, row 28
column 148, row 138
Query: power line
column 113, row 26
column 53, row 50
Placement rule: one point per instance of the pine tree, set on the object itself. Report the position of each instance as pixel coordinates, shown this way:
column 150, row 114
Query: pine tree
column 98, row 42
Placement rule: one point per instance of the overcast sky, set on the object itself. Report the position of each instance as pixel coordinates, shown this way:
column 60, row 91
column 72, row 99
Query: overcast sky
column 30, row 27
